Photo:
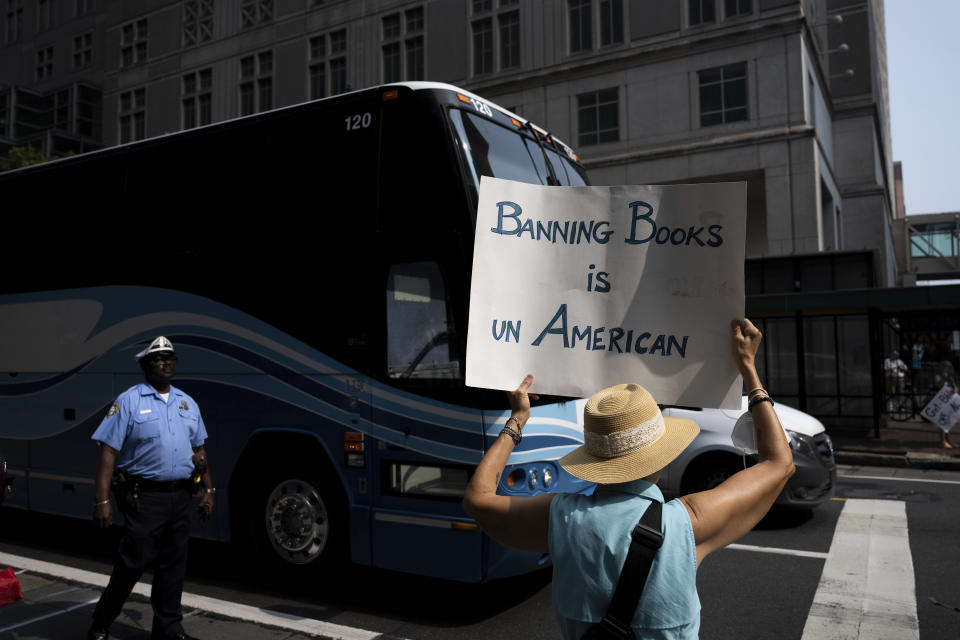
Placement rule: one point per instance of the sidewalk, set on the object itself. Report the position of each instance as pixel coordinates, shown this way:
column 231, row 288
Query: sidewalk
column 914, row 443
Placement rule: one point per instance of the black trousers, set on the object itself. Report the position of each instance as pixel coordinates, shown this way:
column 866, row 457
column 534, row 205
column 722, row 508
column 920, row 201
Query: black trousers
column 157, row 535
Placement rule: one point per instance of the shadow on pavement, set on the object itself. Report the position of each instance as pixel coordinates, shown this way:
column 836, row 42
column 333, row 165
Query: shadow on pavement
column 216, row 569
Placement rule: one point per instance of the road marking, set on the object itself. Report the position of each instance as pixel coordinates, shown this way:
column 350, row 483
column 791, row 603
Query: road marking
column 899, row 479
column 52, row 614
column 836, row 499
column 213, row 605
column 867, row 588
column 58, row 593
column 786, row 552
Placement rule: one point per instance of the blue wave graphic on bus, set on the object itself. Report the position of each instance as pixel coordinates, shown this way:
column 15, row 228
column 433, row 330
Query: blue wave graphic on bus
column 236, row 345
column 29, row 387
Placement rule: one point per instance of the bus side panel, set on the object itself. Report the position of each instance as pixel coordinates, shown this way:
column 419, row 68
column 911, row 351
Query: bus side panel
column 424, row 455
column 17, row 456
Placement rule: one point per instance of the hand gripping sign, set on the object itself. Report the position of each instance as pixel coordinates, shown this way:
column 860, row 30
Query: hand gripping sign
column 587, row 287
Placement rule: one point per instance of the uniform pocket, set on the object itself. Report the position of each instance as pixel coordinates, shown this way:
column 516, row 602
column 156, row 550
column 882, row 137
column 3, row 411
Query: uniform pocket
column 146, row 427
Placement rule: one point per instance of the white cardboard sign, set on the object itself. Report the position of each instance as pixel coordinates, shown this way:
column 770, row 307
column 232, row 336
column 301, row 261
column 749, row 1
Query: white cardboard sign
column 943, row 409
column 587, row 287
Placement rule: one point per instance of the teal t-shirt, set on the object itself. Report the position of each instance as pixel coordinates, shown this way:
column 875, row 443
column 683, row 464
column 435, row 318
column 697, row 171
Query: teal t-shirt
column 589, row 537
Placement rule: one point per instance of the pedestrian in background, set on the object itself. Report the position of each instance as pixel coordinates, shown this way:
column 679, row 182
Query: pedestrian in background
column 627, row 441
column 153, row 438
column 894, row 376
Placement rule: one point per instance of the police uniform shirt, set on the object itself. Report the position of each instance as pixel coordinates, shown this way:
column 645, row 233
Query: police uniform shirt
column 154, row 438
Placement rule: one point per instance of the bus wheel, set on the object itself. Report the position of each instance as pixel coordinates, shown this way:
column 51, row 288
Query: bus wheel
column 298, row 520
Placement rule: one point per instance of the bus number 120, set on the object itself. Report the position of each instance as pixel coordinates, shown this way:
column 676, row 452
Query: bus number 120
column 358, row 121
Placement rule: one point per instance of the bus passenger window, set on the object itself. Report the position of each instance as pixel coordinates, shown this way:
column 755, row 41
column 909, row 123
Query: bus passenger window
column 420, row 340
column 425, row 481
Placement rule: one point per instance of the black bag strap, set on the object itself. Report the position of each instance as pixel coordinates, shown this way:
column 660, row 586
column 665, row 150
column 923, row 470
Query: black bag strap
column 646, row 540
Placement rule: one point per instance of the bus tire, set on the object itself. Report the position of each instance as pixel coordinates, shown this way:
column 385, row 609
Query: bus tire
column 302, row 523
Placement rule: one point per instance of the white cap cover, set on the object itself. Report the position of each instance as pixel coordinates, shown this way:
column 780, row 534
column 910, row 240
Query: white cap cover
column 159, row 344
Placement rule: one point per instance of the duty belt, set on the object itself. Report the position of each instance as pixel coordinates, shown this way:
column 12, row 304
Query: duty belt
column 161, row 485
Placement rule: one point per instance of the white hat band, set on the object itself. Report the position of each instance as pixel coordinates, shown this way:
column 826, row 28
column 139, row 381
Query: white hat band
column 619, row 443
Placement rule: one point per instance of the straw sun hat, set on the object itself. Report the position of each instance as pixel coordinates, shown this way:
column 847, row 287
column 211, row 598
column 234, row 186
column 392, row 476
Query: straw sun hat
column 626, row 437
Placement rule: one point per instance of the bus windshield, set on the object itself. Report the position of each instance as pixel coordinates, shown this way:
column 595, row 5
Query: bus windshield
column 489, row 149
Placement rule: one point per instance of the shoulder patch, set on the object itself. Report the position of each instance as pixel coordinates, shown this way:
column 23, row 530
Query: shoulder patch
column 184, row 405
column 113, row 410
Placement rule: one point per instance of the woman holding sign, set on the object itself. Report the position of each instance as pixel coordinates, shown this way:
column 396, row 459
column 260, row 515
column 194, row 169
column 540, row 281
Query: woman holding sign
column 627, row 441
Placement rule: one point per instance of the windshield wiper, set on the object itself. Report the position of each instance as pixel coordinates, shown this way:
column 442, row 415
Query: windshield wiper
column 552, row 178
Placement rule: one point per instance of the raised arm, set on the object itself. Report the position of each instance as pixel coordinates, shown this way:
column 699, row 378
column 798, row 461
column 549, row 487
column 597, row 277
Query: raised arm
column 726, row 513
column 515, row 522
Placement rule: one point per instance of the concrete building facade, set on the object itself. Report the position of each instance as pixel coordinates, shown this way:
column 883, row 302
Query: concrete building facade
column 779, row 93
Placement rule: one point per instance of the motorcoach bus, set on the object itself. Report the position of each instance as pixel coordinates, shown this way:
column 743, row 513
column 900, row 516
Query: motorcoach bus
column 311, row 265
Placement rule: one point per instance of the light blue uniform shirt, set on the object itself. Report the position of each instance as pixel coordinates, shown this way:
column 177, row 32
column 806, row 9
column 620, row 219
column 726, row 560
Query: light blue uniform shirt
column 155, row 439
column 589, row 537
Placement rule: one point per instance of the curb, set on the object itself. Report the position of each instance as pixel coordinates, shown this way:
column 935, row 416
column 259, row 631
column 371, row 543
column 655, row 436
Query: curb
column 906, row 460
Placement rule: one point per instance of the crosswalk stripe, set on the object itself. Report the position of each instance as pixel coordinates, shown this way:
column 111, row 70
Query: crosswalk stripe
column 786, row 552
column 867, row 587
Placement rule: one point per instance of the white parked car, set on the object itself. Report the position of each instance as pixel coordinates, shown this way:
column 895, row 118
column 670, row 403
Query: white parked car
column 712, row 457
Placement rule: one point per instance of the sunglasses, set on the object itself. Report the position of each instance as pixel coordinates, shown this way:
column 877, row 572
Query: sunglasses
column 162, row 357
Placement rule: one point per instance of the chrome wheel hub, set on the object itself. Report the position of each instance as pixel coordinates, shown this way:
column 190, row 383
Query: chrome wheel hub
column 296, row 520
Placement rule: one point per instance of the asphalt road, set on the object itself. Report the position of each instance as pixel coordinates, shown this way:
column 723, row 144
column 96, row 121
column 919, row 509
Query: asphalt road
column 781, row 581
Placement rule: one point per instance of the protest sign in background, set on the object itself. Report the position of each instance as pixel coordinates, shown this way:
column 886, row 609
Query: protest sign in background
column 943, row 409
column 587, row 287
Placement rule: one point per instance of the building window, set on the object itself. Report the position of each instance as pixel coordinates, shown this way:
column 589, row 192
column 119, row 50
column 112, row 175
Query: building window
column 133, row 115
column 723, row 94
column 391, row 62
column 82, row 50
column 4, row 114
column 611, row 22
column 89, row 101
column 482, row 46
column 609, row 18
column 14, row 21
column 254, row 12
column 598, row 117
column 81, row 7
column 197, row 21
column 338, row 62
column 496, row 35
column 63, row 110
column 328, row 67
column 44, row 15
column 391, row 26
column 133, row 43
column 581, row 25
column 256, row 83
column 44, row 63
column 318, row 67
column 701, row 12
column 197, row 98
column 733, row 8
column 509, row 31
column 403, row 50
column 415, row 56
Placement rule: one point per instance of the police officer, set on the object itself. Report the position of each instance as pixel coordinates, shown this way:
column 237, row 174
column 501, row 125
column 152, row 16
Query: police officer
column 153, row 436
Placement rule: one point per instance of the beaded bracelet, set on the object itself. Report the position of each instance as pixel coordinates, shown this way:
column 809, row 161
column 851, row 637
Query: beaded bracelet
column 513, row 433
column 758, row 400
